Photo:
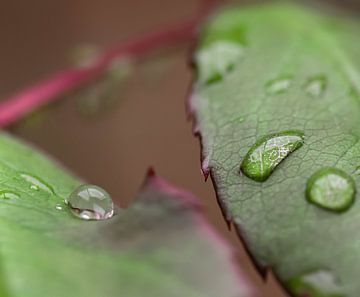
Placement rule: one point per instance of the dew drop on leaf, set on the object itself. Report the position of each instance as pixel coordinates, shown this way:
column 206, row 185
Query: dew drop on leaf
column 217, row 60
column 268, row 152
column 316, row 86
column 278, row 85
column 320, row 283
column 332, row 189
column 36, row 183
column 58, row 206
column 89, row 202
column 9, row 195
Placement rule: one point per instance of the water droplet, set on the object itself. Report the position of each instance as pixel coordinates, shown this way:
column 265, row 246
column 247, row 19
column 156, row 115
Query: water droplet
column 90, row 202
column 278, row 85
column 34, row 187
column 319, row 283
column 9, row 195
column 332, row 189
column 217, row 60
column 268, row 152
column 316, row 85
column 36, row 183
column 58, row 206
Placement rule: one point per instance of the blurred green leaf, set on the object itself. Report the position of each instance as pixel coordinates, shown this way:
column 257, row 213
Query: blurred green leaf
column 160, row 246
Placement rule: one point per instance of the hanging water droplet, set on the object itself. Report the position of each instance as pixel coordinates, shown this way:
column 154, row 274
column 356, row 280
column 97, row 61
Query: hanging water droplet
column 332, row 189
column 8, row 195
column 217, row 60
column 278, row 85
column 316, row 85
column 268, row 152
column 320, row 283
column 36, row 183
column 58, row 206
column 90, row 202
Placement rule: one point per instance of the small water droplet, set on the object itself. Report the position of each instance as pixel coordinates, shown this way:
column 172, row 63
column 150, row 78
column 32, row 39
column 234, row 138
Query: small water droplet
column 58, row 206
column 90, row 202
column 319, row 283
column 217, row 60
column 34, row 187
column 9, row 195
column 332, row 189
column 278, row 85
column 37, row 183
column 316, row 85
column 268, row 152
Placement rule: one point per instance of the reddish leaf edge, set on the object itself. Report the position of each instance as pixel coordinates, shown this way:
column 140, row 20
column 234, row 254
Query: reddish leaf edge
column 190, row 201
column 207, row 171
column 52, row 88
column 263, row 270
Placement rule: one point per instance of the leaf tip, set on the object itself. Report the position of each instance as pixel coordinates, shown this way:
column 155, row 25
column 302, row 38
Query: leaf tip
column 153, row 181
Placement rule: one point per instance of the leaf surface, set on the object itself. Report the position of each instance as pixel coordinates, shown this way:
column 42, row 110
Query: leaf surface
column 299, row 70
column 160, row 246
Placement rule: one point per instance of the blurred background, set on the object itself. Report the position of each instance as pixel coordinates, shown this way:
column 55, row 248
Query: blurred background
column 140, row 120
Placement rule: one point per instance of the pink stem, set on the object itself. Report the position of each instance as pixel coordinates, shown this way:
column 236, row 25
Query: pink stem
column 26, row 101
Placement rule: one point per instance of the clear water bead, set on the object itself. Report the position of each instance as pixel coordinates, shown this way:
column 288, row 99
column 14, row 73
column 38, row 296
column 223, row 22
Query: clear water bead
column 278, row 85
column 268, row 152
column 321, row 283
column 89, row 202
column 331, row 189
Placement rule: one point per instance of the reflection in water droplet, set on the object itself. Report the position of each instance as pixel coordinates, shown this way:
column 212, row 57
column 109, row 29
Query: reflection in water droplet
column 321, row 283
column 9, row 195
column 90, row 202
column 316, row 85
column 217, row 60
column 58, row 206
column 36, row 183
column 268, row 152
column 332, row 189
column 278, row 85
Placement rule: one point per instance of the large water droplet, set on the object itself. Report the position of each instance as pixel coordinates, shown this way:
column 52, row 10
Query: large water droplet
column 36, row 183
column 316, row 85
column 9, row 195
column 217, row 60
column 321, row 283
column 278, row 85
column 90, row 202
column 268, row 152
column 332, row 189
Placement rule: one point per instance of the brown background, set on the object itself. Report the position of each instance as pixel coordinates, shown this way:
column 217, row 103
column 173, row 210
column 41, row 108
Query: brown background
column 148, row 125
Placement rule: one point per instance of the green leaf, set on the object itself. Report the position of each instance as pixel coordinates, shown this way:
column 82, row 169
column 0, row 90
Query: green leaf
column 299, row 71
column 160, row 246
